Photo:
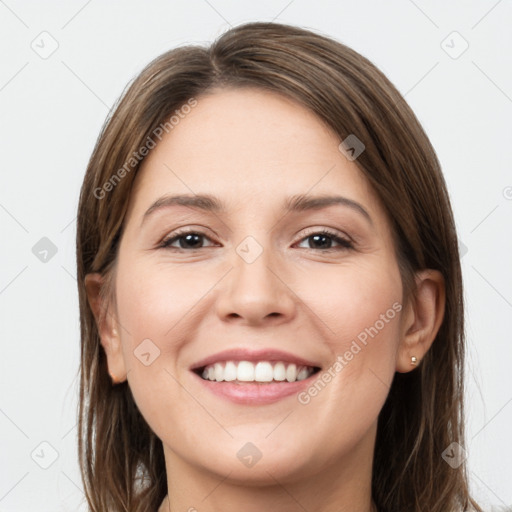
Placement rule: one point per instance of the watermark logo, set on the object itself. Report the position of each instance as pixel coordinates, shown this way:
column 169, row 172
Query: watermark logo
column 44, row 455
column 45, row 45
column 249, row 249
column 454, row 45
column 454, row 455
column 44, row 250
column 351, row 147
column 147, row 352
column 249, row 455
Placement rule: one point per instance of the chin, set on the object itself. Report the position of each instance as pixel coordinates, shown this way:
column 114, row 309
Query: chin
column 254, row 460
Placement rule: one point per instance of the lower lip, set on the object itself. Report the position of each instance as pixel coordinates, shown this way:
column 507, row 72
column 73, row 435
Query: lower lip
column 254, row 393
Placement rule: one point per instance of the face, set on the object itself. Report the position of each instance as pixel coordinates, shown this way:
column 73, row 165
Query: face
column 257, row 281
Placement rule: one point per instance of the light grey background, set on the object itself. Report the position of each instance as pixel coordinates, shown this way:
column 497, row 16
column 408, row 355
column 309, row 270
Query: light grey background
column 51, row 111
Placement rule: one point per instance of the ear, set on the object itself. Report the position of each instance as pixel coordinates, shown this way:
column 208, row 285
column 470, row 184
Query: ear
column 422, row 319
column 108, row 327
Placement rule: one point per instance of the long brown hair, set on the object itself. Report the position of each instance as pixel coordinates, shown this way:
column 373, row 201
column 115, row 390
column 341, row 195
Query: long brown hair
column 121, row 459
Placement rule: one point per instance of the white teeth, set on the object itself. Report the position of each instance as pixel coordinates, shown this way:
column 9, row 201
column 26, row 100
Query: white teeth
column 245, row 371
column 303, row 374
column 263, row 371
column 291, row 373
column 230, row 371
column 219, row 372
column 279, row 372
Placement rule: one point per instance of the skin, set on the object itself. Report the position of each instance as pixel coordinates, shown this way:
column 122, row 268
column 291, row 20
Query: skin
column 253, row 149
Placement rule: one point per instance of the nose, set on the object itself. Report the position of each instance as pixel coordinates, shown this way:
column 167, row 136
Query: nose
column 256, row 293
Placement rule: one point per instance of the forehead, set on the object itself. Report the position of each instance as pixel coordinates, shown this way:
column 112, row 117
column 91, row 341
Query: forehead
column 249, row 146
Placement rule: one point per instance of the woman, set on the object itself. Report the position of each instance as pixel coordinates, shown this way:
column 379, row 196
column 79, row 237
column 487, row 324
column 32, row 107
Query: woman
column 270, row 289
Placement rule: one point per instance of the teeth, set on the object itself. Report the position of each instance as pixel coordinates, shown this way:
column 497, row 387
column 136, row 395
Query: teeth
column 263, row 371
column 291, row 373
column 219, row 372
column 230, row 371
column 279, row 372
column 245, row 371
column 303, row 374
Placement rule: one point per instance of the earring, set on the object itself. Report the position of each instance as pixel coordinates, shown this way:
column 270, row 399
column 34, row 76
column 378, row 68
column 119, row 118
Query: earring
column 114, row 378
column 114, row 332
column 414, row 360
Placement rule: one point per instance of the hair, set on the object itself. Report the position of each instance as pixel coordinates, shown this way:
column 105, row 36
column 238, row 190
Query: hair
column 121, row 459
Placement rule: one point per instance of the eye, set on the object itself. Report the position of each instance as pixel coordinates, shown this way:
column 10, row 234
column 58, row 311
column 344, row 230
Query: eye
column 186, row 240
column 324, row 238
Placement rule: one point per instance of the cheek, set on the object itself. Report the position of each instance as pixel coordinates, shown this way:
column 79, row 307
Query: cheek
column 156, row 310
column 156, row 303
column 351, row 299
column 360, row 310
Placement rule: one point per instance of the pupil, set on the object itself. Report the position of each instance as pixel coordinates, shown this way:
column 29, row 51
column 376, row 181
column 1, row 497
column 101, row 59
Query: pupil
column 324, row 237
column 189, row 242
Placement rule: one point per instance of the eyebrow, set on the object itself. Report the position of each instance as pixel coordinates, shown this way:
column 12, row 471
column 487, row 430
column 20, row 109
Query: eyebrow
column 297, row 203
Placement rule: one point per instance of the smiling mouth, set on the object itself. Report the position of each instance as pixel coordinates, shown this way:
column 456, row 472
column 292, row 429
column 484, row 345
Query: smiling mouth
column 262, row 372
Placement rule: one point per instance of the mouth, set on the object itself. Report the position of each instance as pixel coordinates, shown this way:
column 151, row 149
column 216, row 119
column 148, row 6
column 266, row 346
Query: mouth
column 262, row 372
column 255, row 377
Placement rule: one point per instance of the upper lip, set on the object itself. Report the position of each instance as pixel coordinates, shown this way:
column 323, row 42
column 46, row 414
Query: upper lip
column 244, row 354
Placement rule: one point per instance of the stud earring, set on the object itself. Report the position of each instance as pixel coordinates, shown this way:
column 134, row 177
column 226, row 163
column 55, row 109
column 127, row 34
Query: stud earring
column 114, row 332
column 414, row 360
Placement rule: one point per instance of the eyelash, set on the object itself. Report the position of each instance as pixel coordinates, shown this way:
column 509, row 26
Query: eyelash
column 343, row 242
